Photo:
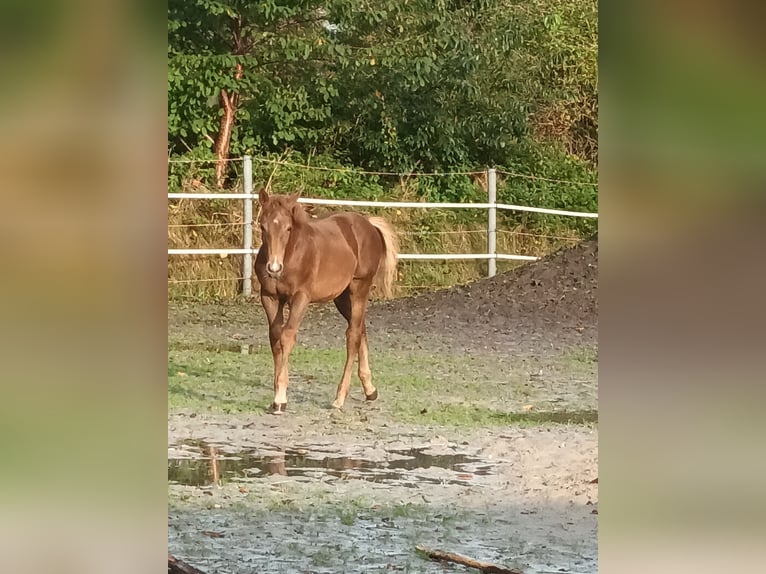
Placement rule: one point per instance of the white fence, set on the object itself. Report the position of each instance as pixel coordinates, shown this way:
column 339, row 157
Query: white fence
column 491, row 206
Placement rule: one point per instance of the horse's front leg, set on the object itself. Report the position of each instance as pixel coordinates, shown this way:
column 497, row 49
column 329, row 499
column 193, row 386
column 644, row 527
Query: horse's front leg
column 275, row 314
column 289, row 334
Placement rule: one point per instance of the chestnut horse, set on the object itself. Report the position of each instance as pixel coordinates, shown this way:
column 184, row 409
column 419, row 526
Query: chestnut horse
column 333, row 258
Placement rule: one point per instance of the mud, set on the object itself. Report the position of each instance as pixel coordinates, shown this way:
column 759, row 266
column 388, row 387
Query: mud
column 321, row 491
column 520, row 497
column 538, row 308
column 547, row 304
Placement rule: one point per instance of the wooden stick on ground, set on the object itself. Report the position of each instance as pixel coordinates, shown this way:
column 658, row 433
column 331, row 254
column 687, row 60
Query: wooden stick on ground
column 457, row 558
column 176, row 566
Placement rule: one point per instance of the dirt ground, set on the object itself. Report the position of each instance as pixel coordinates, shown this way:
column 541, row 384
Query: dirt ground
column 318, row 490
column 545, row 304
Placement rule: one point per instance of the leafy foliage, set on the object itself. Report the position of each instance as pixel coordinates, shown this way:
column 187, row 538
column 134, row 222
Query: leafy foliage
column 398, row 86
column 270, row 54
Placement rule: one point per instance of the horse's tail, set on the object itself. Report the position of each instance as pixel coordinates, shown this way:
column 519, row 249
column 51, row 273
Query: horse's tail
column 387, row 269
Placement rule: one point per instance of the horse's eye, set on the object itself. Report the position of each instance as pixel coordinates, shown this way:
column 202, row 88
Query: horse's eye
column 289, row 228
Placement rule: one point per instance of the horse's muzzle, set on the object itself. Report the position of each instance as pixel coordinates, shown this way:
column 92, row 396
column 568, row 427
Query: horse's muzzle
column 274, row 269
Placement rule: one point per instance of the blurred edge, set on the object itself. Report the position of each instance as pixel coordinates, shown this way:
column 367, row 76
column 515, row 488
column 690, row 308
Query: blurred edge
column 682, row 175
column 82, row 302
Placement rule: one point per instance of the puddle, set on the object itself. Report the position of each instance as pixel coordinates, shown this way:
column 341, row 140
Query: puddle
column 404, row 467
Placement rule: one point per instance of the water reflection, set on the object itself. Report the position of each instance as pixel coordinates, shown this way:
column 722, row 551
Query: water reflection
column 218, row 467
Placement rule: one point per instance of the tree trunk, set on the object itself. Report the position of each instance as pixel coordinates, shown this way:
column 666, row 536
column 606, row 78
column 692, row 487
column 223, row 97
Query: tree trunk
column 229, row 102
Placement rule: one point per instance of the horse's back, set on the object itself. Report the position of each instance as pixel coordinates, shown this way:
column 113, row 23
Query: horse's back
column 361, row 237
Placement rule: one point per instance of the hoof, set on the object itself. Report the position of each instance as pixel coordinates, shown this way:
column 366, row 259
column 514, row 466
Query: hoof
column 277, row 409
column 373, row 396
column 337, row 405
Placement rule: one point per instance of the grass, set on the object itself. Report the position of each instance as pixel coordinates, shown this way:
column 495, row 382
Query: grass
column 581, row 356
column 404, row 510
column 326, row 535
column 347, row 516
column 472, row 416
column 415, row 387
column 340, row 535
column 362, row 509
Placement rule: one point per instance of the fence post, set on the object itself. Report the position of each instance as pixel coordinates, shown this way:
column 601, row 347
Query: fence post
column 492, row 222
column 247, row 266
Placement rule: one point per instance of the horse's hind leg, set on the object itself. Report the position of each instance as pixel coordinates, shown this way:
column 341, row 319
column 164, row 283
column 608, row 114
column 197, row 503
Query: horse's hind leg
column 365, row 374
column 343, row 303
column 352, row 304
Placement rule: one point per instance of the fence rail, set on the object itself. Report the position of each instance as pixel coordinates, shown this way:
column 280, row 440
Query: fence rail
column 403, row 256
column 392, row 204
column 491, row 206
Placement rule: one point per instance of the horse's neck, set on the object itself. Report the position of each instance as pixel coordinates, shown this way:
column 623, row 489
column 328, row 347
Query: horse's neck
column 300, row 217
column 301, row 222
column 302, row 236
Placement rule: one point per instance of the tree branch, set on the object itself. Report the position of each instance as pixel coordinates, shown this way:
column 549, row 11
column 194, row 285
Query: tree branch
column 176, row 566
column 458, row 559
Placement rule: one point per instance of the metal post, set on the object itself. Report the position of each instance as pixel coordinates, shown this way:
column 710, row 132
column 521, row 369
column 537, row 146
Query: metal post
column 492, row 223
column 247, row 267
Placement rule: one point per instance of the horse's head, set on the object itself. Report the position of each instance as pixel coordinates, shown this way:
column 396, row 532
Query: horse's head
column 278, row 215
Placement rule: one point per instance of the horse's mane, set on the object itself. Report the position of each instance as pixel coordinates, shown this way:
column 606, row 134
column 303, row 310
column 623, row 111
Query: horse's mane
column 299, row 213
column 287, row 203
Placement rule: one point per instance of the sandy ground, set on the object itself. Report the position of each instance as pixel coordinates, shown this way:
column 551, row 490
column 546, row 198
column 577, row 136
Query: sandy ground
column 532, row 505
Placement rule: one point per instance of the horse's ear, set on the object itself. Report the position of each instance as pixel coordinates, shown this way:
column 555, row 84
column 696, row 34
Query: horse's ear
column 293, row 197
column 263, row 196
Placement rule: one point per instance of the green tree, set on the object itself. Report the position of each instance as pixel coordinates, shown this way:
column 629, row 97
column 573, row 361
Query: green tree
column 556, row 70
column 419, row 95
column 238, row 63
column 393, row 85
